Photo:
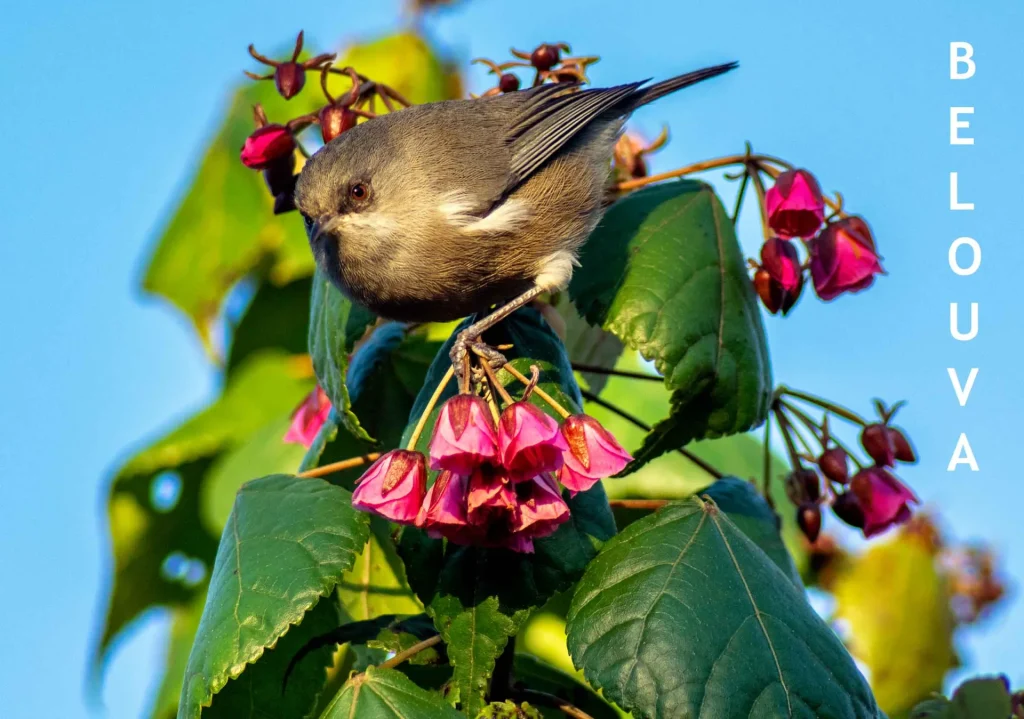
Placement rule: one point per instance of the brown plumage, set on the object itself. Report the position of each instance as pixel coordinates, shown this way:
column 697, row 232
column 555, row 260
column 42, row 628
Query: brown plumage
column 442, row 210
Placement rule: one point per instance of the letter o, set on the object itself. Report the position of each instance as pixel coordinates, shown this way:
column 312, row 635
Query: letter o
column 975, row 262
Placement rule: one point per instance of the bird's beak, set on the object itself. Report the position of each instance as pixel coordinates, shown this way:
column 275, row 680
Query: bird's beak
column 320, row 225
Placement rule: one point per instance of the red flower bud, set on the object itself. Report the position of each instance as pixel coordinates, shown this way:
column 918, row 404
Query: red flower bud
column 843, row 258
column 808, row 516
column 289, row 78
column 834, row 465
column 334, row 120
column 794, row 204
column 265, row 145
column 508, row 82
column 904, row 451
column 877, row 442
column 545, row 57
column 280, row 175
column 803, row 486
column 780, row 277
column 847, row 508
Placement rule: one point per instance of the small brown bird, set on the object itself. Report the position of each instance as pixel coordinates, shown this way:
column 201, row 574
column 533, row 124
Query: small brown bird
column 443, row 210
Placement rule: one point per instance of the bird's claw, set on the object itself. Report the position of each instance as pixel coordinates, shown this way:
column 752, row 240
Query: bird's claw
column 460, row 353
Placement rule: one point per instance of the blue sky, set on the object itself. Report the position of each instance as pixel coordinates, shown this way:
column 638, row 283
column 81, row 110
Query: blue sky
column 107, row 104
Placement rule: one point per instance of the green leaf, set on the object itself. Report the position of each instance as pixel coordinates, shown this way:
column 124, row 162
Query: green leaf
column 287, row 543
column 665, row 274
column 747, row 509
column 897, row 605
column 681, row 615
column 376, row 584
column 335, row 325
column 587, row 344
column 184, row 622
column 540, row 676
column 386, row 694
column 978, row 698
column 259, row 692
column 148, row 529
column 273, row 319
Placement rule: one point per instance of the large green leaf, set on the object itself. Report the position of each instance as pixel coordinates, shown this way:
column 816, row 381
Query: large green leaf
column 223, row 228
column 479, row 597
column 287, row 543
column 751, row 514
column 335, row 325
column 896, row 604
column 665, row 274
column 156, row 497
column 681, row 615
column 386, row 694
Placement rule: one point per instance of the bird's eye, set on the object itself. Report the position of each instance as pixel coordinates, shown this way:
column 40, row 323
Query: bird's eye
column 359, row 192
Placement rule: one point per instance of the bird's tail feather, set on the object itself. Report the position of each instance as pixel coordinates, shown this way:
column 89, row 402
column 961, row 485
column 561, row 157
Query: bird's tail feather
column 666, row 87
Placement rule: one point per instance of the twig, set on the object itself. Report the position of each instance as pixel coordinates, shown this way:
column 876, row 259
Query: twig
column 414, row 649
column 340, row 466
column 591, row 397
column 540, row 393
column 594, row 369
column 545, row 699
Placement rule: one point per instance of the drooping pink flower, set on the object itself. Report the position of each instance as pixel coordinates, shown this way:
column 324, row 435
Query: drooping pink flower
column 592, row 453
column 393, row 486
column 843, row 258
column 492, row 498
column 308, row 418
column 517, row 543
column 445, row 504
column 541, row 507
column 530, row 442
column 882, row 498
column 464, row 436
column 266, row 145
column 794, row 204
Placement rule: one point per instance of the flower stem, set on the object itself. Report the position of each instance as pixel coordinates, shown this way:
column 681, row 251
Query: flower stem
column 415, row 437
column 340, row 466
column 591, row 397
column 784, row 427
column 740, row 195
column 550, row 700
column 594, row 369
column 495, row 384
column 414, row 649
column 540, row 393
column 755, row 175
column 824, row 404
column 766, row 479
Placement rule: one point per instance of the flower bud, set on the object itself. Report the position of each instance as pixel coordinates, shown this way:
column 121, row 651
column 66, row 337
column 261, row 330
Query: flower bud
column 545, row 57
column 903, row 450
column 266, row 145
column 877, row 440
column 393, row 487
column 289, row 78
column 834, row 464
column 280, row 175
column 803, row 486
column 508, row 82
column 794, row 204
column 808, row 517
column 334, row 120
column 843, row 258
column 780, row 277
column 308, row 418
column 847, row 508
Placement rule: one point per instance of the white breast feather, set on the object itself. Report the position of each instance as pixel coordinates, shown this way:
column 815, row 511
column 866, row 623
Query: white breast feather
column 556, row 270
column 458, row 207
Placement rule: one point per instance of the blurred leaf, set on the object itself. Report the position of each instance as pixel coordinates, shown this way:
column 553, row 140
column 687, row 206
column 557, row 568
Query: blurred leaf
column 665, row 274
column 184, row 622
column 896, row 604
column 386, row 694
column 981, row 698
column 155, row 501
column 286, row 545
column 224, row 228
column 276, row 317
column 682, row 615
column 335, row 325
column 752, row 516
column 540, row 676
column 587, row 344
column 375, row 584
column 259, row 692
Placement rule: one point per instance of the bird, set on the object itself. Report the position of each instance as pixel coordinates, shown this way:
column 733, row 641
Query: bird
column 454, row 208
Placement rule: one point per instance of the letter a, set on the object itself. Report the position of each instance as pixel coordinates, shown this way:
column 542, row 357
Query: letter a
column 962, row 455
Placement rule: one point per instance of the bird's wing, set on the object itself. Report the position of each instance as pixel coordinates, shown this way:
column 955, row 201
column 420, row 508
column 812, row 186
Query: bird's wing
column 551, row 117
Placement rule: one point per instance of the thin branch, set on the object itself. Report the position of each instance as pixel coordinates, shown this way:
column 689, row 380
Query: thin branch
column 340, row 466
column 594, row 369
column 414, row 649
column 550, row 700
column 767, row 477
column 824, row 404
column 591, row 397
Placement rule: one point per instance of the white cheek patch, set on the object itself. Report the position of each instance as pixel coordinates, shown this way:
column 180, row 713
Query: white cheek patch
column 556, row 270
column 376, row 224
column 457, row 208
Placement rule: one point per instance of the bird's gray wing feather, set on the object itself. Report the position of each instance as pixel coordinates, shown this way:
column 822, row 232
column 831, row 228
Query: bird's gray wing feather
column 551, row 118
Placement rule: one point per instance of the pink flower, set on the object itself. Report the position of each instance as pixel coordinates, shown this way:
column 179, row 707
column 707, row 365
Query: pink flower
column 464, row 436
column 266, row 145
column 444, row 507
column 843, row 258
column 592, row 453
column 794, row 204
column 541, row 507
column 530, row 442
column 492, row 499
column 517, row 543
column 883, row 499
column 393, row 486
column 308, row 418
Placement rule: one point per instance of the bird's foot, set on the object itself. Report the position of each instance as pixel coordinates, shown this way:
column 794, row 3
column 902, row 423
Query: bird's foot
column 465, row 347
